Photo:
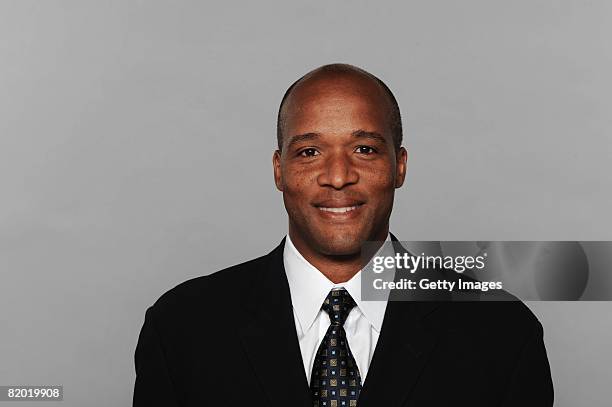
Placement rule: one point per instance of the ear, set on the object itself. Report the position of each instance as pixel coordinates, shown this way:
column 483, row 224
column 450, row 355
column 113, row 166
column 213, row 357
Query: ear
column 400, row 167
column 276, row 164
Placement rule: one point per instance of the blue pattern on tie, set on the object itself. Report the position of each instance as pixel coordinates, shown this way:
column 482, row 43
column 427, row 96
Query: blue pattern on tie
column 335, row 379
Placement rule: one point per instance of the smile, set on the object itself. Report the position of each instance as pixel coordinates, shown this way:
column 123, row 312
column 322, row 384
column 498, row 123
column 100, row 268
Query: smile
column 339, row 210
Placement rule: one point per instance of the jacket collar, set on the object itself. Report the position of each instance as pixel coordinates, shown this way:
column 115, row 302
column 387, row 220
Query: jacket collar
column 269, row 338
column 403, row 349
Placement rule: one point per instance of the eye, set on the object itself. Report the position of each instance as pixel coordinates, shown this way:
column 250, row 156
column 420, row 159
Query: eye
column 309, row 152
column 367, row 150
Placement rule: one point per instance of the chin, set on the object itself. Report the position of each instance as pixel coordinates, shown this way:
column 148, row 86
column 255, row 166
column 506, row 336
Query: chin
column 341, row 244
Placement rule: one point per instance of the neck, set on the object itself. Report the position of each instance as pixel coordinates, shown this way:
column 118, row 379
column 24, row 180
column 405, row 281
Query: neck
column 337, row 268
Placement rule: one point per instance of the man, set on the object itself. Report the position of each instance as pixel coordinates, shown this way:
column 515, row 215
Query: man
column 290, row 329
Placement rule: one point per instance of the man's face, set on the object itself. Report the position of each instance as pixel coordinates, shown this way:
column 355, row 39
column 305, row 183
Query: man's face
column 338, row 169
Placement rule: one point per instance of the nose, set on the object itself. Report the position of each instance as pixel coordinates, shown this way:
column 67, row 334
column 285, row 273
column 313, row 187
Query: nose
column 338, row 172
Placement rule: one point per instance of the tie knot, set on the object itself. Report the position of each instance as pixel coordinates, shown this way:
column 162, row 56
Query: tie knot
column 338, row 305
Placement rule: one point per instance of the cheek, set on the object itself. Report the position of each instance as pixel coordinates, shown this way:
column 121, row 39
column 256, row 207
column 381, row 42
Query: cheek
column 380, row 179
column 297, row 183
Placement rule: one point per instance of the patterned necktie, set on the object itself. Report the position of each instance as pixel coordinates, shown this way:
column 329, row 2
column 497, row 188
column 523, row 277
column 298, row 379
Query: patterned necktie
column 335, row 380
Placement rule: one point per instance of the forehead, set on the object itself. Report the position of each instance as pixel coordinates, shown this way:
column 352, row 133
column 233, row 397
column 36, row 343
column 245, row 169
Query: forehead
column 336, row 105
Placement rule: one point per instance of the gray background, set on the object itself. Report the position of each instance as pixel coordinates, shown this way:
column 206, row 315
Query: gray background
column 136, row 142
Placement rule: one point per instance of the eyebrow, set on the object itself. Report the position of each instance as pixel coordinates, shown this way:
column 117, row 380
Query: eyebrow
column 370, row 135
column 356, row 134
column 303, row 137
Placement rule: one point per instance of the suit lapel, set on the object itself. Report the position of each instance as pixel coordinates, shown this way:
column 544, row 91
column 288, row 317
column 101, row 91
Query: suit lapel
column 403, row 349
column 401, row 353
column 269, row 337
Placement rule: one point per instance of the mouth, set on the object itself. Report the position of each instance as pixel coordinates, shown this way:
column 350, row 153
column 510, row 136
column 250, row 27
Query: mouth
column 339, row 210
column 343, row 209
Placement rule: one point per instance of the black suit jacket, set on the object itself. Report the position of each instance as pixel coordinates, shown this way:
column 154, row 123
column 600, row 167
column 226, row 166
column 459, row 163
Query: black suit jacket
column 229, row 339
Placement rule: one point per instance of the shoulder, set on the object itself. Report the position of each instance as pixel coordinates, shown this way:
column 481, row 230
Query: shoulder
column 493, row 311
column 488, row 313
column 205, row 293
column 504, row 322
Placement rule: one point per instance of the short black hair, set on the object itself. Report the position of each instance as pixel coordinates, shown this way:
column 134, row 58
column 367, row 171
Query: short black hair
column 395, row 116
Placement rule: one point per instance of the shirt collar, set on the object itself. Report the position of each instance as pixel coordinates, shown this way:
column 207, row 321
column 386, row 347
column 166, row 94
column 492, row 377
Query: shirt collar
column 309, row 287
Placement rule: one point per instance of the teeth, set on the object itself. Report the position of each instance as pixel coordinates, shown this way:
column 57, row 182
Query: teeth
column 339, row 210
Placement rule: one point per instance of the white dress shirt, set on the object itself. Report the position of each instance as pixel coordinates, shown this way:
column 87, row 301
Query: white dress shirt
column 309, row 287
